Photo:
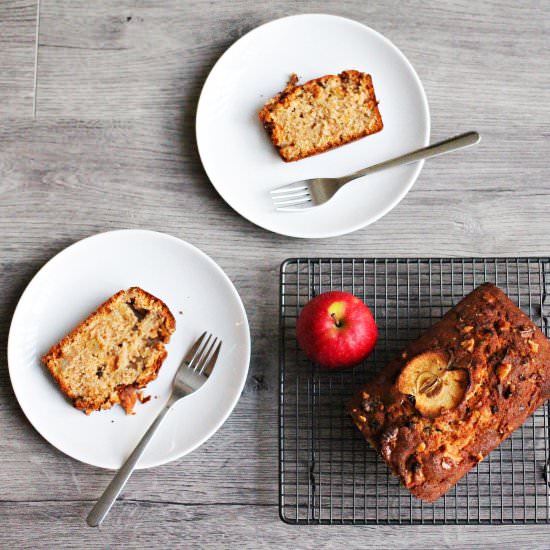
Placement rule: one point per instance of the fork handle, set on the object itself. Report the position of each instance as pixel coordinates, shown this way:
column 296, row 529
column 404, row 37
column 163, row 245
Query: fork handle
column 440, row 148
column 107, row 499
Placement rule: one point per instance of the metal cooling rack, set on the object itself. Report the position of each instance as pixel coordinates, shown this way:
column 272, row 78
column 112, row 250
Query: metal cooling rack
column 328, row 474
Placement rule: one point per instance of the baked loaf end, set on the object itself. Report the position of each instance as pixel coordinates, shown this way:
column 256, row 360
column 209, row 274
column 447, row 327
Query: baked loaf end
column 321, row 114
column 456, row 393
column 115, row 351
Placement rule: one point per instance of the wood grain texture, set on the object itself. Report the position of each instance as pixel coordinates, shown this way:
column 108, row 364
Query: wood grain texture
column 18, row 26
column 113, row 147
column 224, row 526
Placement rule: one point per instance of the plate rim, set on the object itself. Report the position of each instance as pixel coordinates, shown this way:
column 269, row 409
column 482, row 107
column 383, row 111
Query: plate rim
column 398, row 198
column 105, row 234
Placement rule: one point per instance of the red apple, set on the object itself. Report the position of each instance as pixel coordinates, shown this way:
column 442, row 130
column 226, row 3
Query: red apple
column 336, row 330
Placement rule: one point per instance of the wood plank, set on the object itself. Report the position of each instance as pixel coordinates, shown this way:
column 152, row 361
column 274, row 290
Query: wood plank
column 90, row 176
column 18, row 21
column 146, row 524
column 207, row 476
column 129, row 60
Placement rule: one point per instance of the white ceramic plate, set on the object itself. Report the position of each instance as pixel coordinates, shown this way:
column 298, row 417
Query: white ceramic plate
column 239, row 158
column 72, row 285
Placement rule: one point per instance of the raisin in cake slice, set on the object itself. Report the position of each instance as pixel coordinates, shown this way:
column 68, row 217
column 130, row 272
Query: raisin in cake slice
column 321, row 114
column 117, row 350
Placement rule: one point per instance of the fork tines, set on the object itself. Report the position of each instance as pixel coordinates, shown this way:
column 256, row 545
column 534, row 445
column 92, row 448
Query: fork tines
column 286, row 198
column 204, row 354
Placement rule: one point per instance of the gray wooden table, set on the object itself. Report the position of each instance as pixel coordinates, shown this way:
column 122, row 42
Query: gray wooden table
column 97, row 107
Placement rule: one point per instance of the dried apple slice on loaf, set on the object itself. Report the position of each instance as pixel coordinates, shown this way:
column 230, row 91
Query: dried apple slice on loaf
column 435, row 385
column 117, row 350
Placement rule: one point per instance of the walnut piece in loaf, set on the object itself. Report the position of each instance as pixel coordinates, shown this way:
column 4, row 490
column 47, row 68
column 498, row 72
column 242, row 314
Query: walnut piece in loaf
column 321, row 114
column 117, row 350
column 456, row 393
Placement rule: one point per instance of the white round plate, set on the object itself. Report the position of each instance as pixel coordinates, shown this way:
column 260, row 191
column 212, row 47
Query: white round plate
column 73, row 284
column 243, row 165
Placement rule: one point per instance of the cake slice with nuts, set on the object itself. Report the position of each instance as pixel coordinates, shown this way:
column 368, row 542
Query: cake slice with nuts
column 321, row 114
column 113, row 353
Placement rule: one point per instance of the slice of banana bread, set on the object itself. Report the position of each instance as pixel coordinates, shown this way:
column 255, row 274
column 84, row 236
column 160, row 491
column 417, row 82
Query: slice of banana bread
column 115, row 351
column 321, row 114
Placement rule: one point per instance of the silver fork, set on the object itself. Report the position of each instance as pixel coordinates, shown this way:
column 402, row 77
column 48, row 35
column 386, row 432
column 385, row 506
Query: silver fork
column 192, row 373
column 304, row 194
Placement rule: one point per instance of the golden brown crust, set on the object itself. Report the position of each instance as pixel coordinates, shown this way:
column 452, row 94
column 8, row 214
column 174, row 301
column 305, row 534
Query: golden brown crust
column 350, row 85
column 123, row 392
column 507, row 359
column 169, row 321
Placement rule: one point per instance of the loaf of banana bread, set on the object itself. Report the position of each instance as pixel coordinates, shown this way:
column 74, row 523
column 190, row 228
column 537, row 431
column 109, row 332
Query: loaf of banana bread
column 321, row 114
column 455, row 393
column 114, row 352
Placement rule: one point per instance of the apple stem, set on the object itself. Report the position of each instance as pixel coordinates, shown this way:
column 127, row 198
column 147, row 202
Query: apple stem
column 336, row 321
